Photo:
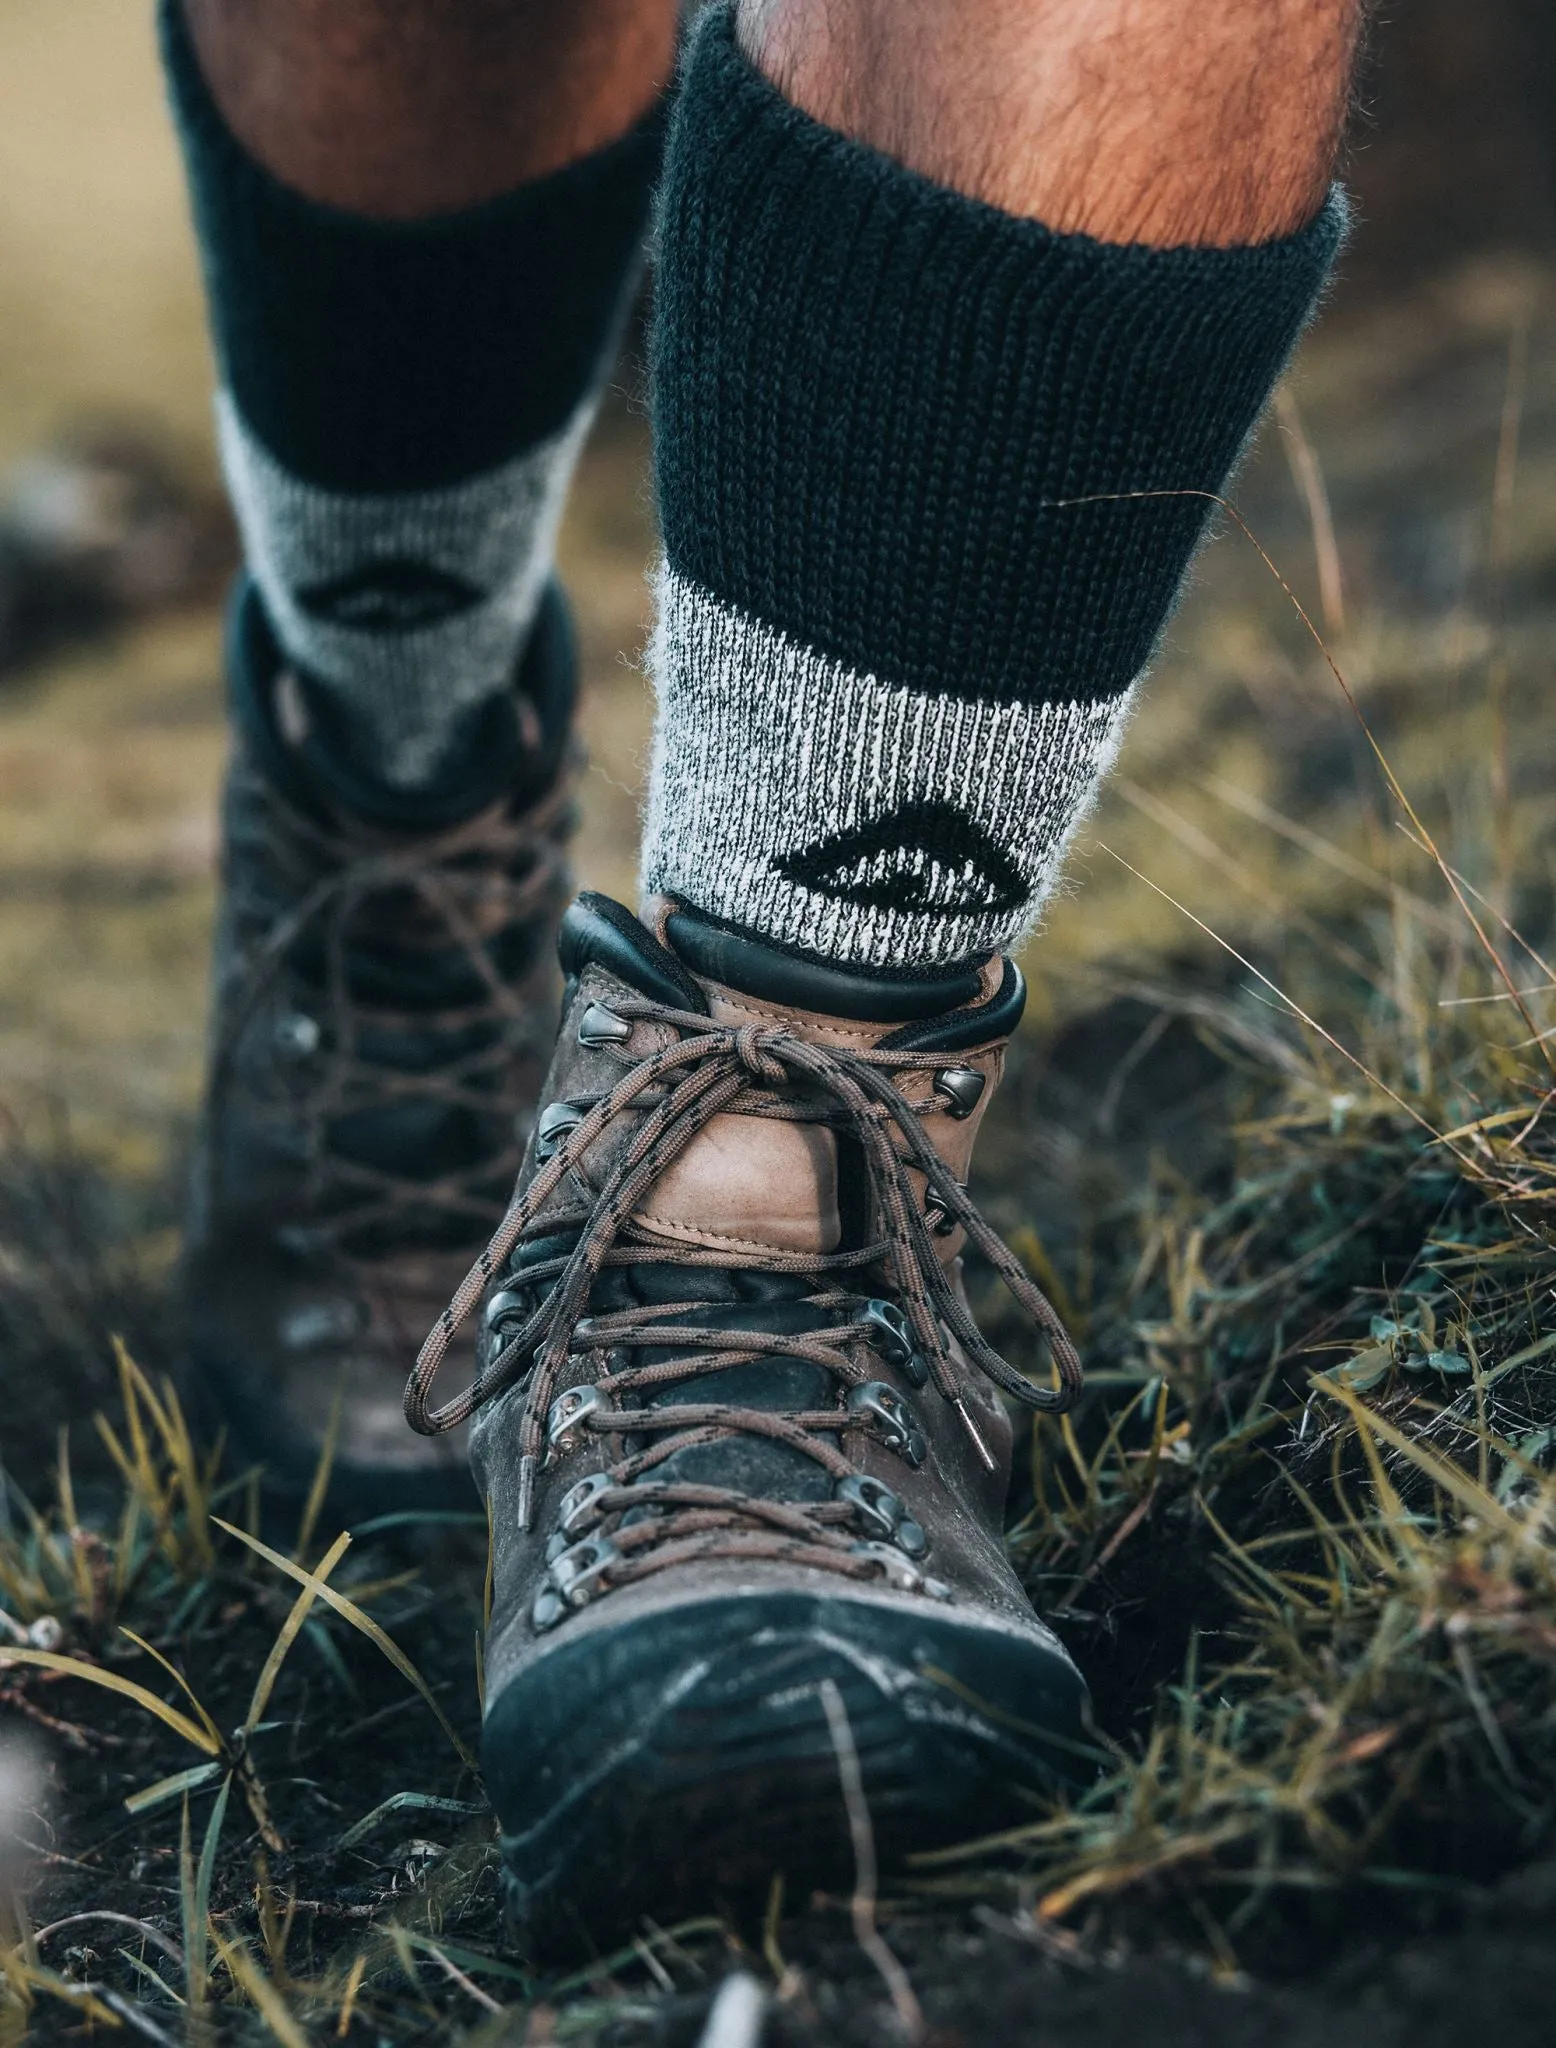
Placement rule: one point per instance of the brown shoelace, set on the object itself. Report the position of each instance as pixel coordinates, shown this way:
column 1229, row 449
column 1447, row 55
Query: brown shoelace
column 462, row 887
column 712, row 1070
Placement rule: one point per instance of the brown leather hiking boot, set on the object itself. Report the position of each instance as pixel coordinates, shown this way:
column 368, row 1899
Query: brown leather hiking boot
column 385, row 1003
column 740, row 1439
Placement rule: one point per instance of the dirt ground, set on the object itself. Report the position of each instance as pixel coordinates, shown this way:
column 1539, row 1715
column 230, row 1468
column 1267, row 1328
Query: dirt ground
column 1246, row 796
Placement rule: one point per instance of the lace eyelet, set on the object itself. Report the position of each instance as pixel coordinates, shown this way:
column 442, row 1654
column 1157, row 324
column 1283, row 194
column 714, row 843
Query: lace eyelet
column 880, row 1511
column 553, row 1125
column 600, row 1026
column 567, row 1422
column 891, row 1335
column 960, row 1090
column 577, row 1571
column 900, row 1572
column 577, row 1509
column 895, row 1422
column 508, row 1305
column 548, row 1609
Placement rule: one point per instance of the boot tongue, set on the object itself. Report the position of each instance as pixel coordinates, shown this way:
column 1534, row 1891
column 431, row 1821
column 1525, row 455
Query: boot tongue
column 751, row 1186
column 763, row 1184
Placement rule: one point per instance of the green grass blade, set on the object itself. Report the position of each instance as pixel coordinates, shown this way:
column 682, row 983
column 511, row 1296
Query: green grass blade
column 169, row 1788
column 207, row 1870
column 407, row 1802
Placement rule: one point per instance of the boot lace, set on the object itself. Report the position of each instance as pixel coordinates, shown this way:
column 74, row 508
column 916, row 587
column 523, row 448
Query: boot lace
column 451, row 893
column 674, row 1093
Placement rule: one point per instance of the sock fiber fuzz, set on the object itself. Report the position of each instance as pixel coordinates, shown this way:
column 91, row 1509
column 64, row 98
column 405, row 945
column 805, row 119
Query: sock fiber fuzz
column 893, row 656
column 402, row 406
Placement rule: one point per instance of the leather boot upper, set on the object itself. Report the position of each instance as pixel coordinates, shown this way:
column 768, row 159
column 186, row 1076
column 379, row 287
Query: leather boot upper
column 724, row 1344
column 384, row 1002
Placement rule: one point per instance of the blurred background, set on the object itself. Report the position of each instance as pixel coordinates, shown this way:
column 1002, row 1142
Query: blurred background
column 1406, row 489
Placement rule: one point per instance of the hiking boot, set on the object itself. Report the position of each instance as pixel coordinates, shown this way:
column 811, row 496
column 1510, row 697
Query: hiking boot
column 742, row 1445
column 385, row 1002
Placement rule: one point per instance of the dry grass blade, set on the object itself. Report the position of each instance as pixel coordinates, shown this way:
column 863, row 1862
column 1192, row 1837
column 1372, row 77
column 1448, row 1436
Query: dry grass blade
column 262, row 1994
column 86, row 1603
column 910, row 2014
column 313, row 1507
column 178, row 1678
column 1322, row 849
column 194, row 1884
column 89, row 2001
column 1198, row 842
column 457, row 1976
column 188, row 1483
column 302, row 1607
column 110, row 1681
column 1443, row 1472
column 365, row 1625
column 348, row 1999
column 1395, row 787
column 1295, row 1008
column 1309, row 479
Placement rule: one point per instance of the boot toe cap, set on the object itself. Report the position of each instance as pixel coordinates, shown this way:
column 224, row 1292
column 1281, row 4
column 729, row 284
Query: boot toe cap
column 682, row 1758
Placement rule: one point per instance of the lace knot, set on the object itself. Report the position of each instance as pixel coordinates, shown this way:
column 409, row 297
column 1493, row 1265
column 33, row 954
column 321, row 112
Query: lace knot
column 753, row 1048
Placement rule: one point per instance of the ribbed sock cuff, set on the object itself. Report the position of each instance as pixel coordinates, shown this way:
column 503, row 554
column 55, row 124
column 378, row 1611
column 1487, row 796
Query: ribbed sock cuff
column 378, row 356
column 871, row 391
column 894, row 653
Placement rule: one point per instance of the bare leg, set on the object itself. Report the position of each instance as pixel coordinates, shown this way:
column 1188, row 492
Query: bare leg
column 1128, row 120
column 403, row 108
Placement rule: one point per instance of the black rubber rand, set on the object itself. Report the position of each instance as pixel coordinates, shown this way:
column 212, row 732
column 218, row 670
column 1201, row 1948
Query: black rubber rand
column 685, row 1758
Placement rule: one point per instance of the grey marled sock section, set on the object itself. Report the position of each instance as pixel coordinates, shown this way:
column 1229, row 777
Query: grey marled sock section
column 839, row 812
column 409, row 608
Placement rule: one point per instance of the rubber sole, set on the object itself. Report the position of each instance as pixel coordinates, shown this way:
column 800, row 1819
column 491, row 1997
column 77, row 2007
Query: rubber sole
column 677, row 1763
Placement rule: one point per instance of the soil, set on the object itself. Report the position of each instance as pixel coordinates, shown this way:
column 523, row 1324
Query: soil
column 110, row 752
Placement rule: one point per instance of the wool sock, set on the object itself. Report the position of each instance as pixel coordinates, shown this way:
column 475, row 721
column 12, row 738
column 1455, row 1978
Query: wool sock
column 893, row 655
column 401, row 407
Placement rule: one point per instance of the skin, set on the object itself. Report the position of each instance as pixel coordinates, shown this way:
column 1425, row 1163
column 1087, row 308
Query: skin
column 1130, row 120
column 400, row 109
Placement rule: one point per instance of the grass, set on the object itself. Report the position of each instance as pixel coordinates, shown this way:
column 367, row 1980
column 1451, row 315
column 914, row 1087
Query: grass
column 1280, row 1138
column 1320, row 1441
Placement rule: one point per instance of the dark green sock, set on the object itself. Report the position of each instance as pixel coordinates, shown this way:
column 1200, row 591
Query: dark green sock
column 401, row 405
column 894, row 650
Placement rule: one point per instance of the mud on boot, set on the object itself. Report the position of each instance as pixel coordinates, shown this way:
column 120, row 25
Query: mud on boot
column 741, row 1441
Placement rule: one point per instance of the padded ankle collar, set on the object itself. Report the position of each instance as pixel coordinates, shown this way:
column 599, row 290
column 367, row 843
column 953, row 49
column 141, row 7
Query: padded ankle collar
column 777, row 976
column 600, row 931
column 315, row 778
column 945, row 1014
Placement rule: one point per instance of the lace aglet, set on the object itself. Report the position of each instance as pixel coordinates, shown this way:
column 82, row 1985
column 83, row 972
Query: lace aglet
column 976, row 1434
column 526, row 1509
